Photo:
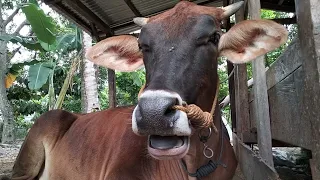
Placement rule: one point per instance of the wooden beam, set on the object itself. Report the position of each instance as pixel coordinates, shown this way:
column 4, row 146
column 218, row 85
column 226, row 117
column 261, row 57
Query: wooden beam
column 280, row 2
column 276, row 7
column 252, row 166
column 95, row 33
column 59, row 7
column 261, row 104
column 88, row 14
column 308, row 19
column 133, row 8
column 230, row 69
column 286, row 20
column 52, row 1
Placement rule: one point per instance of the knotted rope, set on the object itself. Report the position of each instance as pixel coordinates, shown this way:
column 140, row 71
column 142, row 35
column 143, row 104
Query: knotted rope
column 198, row 118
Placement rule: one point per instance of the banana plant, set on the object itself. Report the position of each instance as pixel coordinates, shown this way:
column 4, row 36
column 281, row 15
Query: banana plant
column 46, row 41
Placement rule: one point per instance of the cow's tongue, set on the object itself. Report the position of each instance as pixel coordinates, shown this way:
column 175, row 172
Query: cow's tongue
column 165, row 142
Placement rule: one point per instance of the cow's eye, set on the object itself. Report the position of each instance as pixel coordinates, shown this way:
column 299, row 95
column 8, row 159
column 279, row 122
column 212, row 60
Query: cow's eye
column 143, row 47
column 215, row 38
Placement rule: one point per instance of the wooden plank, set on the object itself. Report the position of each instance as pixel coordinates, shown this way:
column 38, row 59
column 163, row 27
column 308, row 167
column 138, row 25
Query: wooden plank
column 261, row 104
column 285, row 111
column 241, row 92
column 252, row 166
column 288, row 61
column 284, row 84
column 308, row 19
column 112, row 88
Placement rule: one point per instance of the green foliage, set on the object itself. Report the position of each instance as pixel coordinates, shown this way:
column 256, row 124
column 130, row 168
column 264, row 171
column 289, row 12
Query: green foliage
column 72, row 103
column 128, row 86
column 104, row 98
column 38, row 75
column 223, row 76
column 42, row 25
column 28, row 107
column 16, row 68
column 29, row 44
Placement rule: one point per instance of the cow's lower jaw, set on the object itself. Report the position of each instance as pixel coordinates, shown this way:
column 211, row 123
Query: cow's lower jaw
column 168, row 147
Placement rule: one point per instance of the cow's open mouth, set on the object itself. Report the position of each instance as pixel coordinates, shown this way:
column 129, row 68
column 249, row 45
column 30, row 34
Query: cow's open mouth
column 168, row 147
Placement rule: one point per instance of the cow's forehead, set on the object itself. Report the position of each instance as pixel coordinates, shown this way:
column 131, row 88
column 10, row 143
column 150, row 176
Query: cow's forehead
column 184, row 10
column 185, row 14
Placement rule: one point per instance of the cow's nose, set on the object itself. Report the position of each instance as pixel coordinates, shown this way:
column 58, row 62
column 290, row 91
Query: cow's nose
column 155, row 115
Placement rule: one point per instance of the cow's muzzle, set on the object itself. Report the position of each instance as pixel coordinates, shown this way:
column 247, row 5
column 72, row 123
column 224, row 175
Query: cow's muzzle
column 168, row 129
column 154, row 115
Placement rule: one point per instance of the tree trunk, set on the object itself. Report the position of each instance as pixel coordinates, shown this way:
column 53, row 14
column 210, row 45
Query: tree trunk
column 5, row 107
column 51, row 92
column 90, row 100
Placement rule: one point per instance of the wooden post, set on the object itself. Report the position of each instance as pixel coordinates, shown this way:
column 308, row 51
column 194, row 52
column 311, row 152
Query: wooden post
column 112, row 88
column 241, row 90
column 261, row 103
column 111, row 73
column 231, row 79
column 308, row 19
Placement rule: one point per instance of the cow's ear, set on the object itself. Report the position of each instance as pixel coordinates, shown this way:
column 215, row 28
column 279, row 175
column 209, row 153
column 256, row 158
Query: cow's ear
column 120, row 53
column 251, row 38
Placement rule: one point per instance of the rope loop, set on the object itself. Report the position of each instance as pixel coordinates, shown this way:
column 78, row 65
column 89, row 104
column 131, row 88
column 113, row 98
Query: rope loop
column 198, row 118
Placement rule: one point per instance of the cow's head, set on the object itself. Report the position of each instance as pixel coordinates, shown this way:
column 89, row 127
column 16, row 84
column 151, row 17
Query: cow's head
column 179, row 50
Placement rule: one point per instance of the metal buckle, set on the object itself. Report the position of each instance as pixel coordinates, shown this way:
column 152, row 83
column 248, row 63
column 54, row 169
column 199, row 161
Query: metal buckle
column 204, row 138
column 207, row 152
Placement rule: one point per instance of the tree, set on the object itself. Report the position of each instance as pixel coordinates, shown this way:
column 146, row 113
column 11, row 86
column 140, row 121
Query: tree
column 89, row 95
column 51, row 44
column 5, row 107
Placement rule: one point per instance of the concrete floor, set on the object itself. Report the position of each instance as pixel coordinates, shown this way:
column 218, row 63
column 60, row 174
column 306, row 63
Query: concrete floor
column 238, row 175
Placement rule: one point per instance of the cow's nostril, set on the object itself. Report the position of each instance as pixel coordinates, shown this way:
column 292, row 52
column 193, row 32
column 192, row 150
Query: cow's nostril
column 169, row 111
column 177, row 101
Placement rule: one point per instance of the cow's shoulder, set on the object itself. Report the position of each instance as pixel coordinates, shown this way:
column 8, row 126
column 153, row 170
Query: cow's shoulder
column 53, row 124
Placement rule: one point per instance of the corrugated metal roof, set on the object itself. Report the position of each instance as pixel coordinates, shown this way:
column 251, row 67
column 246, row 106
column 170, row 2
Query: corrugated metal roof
column 108, row 17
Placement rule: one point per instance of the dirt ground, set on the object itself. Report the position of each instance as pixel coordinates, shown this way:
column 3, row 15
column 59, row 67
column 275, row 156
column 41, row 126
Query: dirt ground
column 8, row 154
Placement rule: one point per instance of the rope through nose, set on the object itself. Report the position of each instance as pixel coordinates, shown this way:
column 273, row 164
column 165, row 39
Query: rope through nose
column 198, row 118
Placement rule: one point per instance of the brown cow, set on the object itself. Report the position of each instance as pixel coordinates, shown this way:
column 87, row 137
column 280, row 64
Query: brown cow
column 179, row 49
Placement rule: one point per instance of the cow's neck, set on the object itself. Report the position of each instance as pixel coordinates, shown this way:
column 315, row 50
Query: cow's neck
column 195, row 158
